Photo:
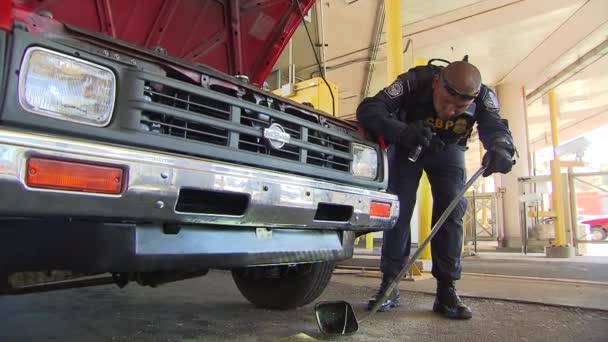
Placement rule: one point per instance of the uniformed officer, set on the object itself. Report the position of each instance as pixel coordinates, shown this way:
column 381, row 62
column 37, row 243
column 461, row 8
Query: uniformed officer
column 434, row 107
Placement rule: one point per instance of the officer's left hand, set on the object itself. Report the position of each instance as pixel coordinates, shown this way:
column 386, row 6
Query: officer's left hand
column 498, row 160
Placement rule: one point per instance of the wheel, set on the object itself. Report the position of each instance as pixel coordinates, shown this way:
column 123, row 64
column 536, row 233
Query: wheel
column 598, row 233
column 283, row 287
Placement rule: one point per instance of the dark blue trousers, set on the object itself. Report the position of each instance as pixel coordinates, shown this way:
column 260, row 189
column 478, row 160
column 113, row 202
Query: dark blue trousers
column 446, row 174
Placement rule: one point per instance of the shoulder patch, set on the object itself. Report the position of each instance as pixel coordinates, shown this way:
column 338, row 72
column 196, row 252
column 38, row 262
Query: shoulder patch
column 490, row 101
column 394, row 90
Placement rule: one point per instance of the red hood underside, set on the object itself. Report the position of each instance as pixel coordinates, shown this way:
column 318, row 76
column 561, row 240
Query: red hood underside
column 234, row 36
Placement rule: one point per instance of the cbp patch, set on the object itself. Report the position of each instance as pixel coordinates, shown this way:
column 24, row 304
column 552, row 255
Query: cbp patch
column 394, row 90
column 490, row 101
column 460, row 127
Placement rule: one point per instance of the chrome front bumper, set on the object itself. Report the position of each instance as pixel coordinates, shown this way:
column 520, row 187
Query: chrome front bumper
column 277, row 200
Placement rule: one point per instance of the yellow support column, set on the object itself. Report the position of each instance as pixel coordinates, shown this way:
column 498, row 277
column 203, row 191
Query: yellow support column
column 560, row 247
column 369, row 241
column 394, row 42
column 425, row 213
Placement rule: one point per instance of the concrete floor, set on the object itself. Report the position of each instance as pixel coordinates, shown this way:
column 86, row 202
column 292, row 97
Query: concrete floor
column 539, row 267
column 515, row 264
column 211, row 309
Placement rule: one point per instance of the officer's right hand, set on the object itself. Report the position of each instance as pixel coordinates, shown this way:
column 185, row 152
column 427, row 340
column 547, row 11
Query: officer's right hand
column 416, row 134
column 499, row 159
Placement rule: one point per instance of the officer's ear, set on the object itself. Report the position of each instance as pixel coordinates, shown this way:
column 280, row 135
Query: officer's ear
column 435, row 82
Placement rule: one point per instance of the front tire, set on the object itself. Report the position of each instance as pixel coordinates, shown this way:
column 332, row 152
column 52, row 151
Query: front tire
column 283, row 287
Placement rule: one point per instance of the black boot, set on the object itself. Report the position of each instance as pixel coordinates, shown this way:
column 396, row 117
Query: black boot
column 448, row 303
column 392, row 301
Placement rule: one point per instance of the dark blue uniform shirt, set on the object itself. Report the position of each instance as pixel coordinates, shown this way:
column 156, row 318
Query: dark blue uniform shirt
column 410, row 98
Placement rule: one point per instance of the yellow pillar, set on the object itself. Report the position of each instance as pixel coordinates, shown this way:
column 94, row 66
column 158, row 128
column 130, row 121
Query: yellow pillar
column 369, row 241
column 394, row 43
column 556, row 180
column 425, row 213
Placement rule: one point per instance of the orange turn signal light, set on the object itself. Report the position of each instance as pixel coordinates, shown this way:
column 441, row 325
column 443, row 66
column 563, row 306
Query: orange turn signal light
column 73, row 176
column 379, row 209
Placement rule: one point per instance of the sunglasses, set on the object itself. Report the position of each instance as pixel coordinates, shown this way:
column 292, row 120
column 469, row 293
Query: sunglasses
column 454, row 92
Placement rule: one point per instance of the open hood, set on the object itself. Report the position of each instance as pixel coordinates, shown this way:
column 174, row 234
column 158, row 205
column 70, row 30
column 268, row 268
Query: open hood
column 236, row 37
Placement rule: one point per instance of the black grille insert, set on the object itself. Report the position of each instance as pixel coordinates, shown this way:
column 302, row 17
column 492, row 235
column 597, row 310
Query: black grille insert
column 212, row 202
column 334, row 212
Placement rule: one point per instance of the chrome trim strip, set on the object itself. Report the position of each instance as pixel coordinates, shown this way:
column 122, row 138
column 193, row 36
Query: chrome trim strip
column 155, row 179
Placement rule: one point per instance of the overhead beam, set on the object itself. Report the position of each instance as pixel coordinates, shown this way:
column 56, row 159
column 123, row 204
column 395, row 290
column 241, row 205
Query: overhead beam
column 576, row 28
column 571, row 130
column 580, row 64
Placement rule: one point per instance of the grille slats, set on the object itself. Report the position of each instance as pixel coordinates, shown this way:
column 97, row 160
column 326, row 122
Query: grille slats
column 185, row 129
column 321, row 160
column 188, row 105
column 210, row 120
column 325, row 142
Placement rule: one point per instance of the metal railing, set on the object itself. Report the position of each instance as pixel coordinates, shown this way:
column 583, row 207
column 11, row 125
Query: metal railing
column 481, row 220
column 535, row 207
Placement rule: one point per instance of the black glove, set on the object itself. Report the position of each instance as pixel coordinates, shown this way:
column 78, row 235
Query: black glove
column 499, row 158
column 416, row 134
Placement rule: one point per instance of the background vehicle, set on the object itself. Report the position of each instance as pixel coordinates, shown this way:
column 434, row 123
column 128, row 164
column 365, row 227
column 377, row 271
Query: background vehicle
column 599, row 228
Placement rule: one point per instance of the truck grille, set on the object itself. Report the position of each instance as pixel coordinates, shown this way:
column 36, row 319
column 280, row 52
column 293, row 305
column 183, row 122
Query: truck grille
column 186, row 114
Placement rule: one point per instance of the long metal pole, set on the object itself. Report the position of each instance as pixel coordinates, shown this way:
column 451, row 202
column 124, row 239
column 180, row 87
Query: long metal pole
column 322, row 38
column 573, row 209
column 474, row 221
column 291, row 66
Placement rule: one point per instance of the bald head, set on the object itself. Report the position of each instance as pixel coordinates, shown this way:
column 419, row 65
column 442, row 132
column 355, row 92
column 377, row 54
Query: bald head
column 455, row 89
column 462, row 77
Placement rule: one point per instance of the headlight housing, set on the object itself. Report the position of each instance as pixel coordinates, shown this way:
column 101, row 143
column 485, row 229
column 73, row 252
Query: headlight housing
column 66, row 88
column 365, row 162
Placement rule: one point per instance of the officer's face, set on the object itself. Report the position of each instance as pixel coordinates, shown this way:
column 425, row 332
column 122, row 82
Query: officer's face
column 448, row 105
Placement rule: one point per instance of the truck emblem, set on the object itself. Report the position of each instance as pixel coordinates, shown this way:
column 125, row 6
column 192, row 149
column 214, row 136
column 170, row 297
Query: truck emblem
column 277, row 138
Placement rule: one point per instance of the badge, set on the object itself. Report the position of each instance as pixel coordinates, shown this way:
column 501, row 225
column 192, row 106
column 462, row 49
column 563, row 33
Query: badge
column 490, row 101
column 394, row 90
column 460, row 127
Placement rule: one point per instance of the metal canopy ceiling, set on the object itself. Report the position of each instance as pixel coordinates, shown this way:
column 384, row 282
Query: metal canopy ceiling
column 523, row 42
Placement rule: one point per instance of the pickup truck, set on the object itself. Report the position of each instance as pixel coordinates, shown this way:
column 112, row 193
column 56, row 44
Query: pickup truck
column 137, row 144
column 598, row 227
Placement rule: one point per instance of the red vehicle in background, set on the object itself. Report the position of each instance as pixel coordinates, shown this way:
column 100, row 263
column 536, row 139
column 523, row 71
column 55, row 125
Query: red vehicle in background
column 599, row 228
